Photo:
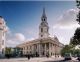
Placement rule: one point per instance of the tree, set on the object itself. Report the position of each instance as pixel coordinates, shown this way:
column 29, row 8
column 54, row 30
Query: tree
column 77, row 52
column 78, row 3
column 8, row 52
column 78, row 6
column 13, row 52
column 75, row 40
column 66, row 49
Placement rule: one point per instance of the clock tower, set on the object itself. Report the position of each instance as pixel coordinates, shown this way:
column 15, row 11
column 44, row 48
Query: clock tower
column 43, row 27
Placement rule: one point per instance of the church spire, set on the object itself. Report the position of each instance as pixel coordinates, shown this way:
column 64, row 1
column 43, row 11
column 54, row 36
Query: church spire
column 44, row 18
column 44, row 14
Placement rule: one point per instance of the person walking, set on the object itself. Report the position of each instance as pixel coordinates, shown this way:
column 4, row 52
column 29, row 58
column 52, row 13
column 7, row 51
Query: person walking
column 28, row 57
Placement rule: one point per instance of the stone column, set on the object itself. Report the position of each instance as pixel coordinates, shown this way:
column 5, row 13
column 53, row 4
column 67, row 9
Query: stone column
column 45, row 49
column 39, row 49
column 49, row 49
column 55, row 50
column 25, row 50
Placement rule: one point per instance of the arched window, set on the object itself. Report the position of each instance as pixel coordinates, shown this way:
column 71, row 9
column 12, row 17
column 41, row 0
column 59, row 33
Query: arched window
column 44, row 19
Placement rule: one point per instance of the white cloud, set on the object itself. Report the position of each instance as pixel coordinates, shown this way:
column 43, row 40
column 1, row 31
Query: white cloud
column 19, row 37
column 67, row 20
column 11, row 43
column 62, row 40
column 14, row 39
column 65, row 26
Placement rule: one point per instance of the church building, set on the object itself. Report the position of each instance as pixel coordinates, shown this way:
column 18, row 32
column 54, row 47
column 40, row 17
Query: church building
column 44, row 45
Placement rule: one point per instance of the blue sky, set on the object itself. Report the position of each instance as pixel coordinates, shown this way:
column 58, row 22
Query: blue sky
column 24, row 17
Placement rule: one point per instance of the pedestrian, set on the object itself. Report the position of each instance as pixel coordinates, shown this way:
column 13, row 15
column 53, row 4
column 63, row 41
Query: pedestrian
column 47, row 55
column 28, row 57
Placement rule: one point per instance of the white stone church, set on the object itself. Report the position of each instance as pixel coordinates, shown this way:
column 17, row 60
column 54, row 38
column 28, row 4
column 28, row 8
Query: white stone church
column 44, row 45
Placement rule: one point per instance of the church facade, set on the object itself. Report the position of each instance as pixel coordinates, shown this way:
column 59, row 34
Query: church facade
column 44, row 45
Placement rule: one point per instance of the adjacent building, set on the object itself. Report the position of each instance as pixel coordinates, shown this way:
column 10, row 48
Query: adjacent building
column 2, row 36
column 44, row 45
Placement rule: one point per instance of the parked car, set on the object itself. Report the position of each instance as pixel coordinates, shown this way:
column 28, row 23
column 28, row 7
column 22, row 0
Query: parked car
column 68, row 56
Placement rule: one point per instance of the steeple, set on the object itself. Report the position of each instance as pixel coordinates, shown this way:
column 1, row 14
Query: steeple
column 44, row 14
column 44, row 18
column 43, row 28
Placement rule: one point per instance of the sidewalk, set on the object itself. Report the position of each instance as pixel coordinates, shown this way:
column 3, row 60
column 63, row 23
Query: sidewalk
column 43, row 59
column 39, row 59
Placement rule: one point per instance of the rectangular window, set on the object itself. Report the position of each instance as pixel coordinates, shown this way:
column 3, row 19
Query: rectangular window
column 41, row 35
column 2, row 51
column 47, row 30
column 2, row 42
column 41, row 29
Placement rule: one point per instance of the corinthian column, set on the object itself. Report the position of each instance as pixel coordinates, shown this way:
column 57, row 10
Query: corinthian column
column 45, row 49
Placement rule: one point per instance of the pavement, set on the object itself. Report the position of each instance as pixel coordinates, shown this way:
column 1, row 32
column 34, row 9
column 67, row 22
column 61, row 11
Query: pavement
column 39, row 59
column 73, row 60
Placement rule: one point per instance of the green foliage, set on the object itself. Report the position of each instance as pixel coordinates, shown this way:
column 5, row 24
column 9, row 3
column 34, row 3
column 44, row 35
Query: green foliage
column 75, row 40
column 70, row 49
column 67, row 49
column 78, row 4
column 7, row 50
column 77, row 51
column 13, row 52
